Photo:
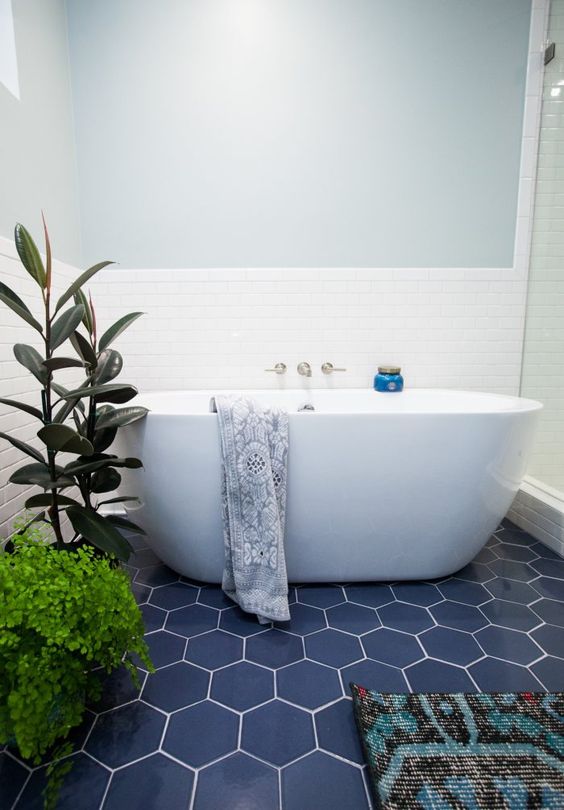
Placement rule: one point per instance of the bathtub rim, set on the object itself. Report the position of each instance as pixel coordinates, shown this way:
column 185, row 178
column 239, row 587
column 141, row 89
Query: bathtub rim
column 515, row 404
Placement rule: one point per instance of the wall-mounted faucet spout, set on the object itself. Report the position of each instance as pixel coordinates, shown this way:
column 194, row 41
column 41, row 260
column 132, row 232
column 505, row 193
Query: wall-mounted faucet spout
column 304, row 369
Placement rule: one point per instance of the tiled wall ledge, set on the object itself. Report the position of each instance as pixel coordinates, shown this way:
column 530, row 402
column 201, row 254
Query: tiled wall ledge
column 540, row 511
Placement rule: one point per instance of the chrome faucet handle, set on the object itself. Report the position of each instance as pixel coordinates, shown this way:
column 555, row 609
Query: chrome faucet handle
column 329, row 368
column 304, row 369
column 279, row 368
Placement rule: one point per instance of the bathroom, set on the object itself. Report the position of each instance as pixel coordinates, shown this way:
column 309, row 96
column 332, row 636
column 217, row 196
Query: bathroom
column 290, row 195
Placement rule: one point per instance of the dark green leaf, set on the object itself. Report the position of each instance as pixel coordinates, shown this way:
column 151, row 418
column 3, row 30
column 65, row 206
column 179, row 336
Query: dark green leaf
column 118, row 327
column 84, row 349
column 88, row 321
column 80, row 281
column 105, row 480
column 120, row 417
column 63, row 438
column 121, row 499
column 98, row 531
column 48, row 257
column 16, row 304
column 98, row 461
column 88, row 464
column 39, row 474
column 25, row 448
column 23, row 407
column 55, row 363
column 65, row 325
column 32, row 360
column 63, row 393
column 29, row 255
column 105, row 393
column 104, row 439
column 123, row 523
column 65, row 411
column 47, row 500
column 109, row 366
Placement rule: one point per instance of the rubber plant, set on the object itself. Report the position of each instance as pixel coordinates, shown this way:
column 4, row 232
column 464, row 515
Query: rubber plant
column 82, row 421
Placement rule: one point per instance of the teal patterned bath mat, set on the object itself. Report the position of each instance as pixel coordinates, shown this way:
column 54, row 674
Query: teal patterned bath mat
column 463, row 752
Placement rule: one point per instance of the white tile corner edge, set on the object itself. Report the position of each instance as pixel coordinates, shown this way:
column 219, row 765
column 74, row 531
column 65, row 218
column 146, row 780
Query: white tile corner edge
column 540, row 511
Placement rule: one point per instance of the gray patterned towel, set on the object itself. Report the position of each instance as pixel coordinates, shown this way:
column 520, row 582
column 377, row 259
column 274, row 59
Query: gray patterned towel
column 254, row 449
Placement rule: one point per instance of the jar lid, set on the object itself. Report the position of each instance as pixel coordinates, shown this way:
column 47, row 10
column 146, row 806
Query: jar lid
column 389, row 369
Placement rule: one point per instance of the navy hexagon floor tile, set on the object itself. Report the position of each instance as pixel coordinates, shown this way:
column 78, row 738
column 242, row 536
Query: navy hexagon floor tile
column 176, row 686
column 246, row 710
column 274, row 649
column 392, row 647
column 242, row 686
column 277, row 732
column 308, row 684
column 214, row 650
column 201, row 733
column 336, row 731
column 155, row 783
column 238, row 777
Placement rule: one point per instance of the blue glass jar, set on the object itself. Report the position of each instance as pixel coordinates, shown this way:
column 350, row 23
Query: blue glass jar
column 388, row 379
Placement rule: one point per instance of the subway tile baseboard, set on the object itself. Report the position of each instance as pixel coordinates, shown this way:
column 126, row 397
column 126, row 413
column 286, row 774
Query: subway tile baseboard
column 539, row 510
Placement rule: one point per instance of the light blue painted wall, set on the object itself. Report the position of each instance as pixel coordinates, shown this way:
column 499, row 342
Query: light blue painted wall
column 247, row 133
column 37, row 148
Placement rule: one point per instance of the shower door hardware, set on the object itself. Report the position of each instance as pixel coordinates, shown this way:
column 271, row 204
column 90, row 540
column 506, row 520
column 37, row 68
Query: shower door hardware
column 549, row 52
column 329, row 368
column 279, row 368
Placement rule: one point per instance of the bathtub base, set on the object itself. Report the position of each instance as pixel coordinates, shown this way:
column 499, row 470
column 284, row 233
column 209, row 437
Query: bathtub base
column 407, row 486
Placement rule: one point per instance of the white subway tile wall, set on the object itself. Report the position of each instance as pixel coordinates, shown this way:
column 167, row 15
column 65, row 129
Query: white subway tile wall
column 543, row 360
column 16, row 382
column 222, row 329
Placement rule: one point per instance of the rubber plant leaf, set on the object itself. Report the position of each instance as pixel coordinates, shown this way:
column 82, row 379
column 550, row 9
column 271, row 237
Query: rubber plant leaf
column 55, row 363
column 88, row 321
column 84, row 349
column 25, row 448
column 16, row 304
column 48, row 258
column 62, row 438
column 123, row 523
column 65, row 325
column 29, row 255
column 110, row 363
column 79, row 282
column 104, row 439
column 122, row 499
column 105, row 480
column 98, row 531
column 88, row 465
column 66, row 410
column 63, row 393
column 117, row 328
column 30, row 358
column 22, row 406
column 120, row 417
column 105, row 393
column 46, row 499
column 39, row 474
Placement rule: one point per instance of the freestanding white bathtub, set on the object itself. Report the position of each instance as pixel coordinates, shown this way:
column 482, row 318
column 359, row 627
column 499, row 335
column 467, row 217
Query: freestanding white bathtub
column 380, row 486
